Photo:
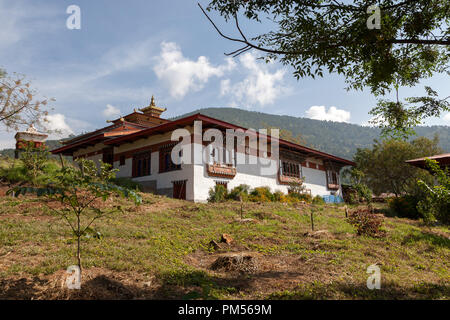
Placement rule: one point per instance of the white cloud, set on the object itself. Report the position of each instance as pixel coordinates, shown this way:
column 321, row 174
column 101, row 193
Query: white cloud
column 333, row 114
column 20, row 20
column 261, row 86
column 57, row 122
column 182, row 75
column 111, row 111
column 447, row 117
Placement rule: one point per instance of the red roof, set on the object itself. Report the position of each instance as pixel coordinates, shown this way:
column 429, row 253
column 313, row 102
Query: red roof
column 216, row 123
column 442, row 159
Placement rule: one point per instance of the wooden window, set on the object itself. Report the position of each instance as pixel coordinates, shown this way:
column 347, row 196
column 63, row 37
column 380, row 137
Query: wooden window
column 108, row 156
column 290, row 169
column 142, row 164
column 332, row 177
column 122, row 160
column 165, row 161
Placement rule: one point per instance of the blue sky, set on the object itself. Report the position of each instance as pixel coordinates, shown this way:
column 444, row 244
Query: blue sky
column 128, row 50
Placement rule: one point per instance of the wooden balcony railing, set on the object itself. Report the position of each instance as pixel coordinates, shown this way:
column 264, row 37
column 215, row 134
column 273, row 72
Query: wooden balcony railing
column 221, row 170
column 288, row 179
column 333, row 186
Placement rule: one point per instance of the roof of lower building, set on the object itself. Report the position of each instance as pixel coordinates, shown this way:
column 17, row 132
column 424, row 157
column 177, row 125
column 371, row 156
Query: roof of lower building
column 442, row 159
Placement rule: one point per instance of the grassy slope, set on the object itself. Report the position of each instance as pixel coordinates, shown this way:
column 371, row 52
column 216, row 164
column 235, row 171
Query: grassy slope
column 160, row 250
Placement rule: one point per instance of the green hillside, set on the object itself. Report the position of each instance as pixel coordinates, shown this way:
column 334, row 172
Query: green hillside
column 341, row 139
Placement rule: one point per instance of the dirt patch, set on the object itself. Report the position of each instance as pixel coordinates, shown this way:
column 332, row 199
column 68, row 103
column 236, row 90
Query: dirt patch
column 98, row 284
column 319, row 234
column 240, row 262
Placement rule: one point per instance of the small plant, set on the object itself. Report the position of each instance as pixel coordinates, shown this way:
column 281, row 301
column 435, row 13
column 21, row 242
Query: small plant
column 366, row 223
column 78, row 192
column 297, row 187
column 218, row 194
column 312, row 219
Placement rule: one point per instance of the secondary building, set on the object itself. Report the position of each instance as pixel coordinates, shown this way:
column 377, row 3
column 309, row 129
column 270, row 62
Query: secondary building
column 142, row 146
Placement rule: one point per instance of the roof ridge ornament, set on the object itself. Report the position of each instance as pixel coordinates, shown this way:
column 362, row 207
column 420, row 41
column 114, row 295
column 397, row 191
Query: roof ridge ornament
column 152, row 109
column 152, row 102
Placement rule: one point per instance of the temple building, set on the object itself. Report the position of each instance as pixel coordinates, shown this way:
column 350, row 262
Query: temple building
column 140, row 145
column 31, row 135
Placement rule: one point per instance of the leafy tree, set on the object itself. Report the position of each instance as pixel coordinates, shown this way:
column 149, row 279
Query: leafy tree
column 383, row 168
column 79, row 192
column 411, row 43
column 34, row 159
column 436, row 205
column 18, row 103
column 398, row 119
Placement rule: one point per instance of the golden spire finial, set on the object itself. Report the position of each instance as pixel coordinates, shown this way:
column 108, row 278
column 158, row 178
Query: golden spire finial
column 152, row 109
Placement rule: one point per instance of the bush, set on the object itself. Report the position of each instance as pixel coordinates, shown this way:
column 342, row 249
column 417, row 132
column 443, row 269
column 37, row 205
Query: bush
column 218, row 194
column 366, row 223
column 15, row 172
column 298, row 197
column 435, row 205
column 318, row 200
column 241, row 191
column 279, row 196
column 261, row 194
column 127, row 183
column 405, row 206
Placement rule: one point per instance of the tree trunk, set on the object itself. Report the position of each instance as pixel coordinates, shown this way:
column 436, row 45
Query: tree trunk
column 79, row 242
column 312, row 220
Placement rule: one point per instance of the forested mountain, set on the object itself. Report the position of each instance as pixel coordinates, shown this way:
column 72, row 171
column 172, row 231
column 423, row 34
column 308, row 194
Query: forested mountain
column 341, row 139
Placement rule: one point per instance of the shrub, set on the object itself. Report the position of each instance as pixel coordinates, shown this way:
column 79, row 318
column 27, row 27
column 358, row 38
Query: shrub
column 405, row 206
column 218, row 194
column 297, row 197
column 436, row 202
column 366, row 223
column 364, row 192
column 15, row 173
column 261, row 194
column 279, row 196
column 241, row 191
column 318, row 200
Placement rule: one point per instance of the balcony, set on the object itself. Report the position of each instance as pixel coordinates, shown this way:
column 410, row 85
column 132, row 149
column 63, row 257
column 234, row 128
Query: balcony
column 221, row 170
column 289, row 180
